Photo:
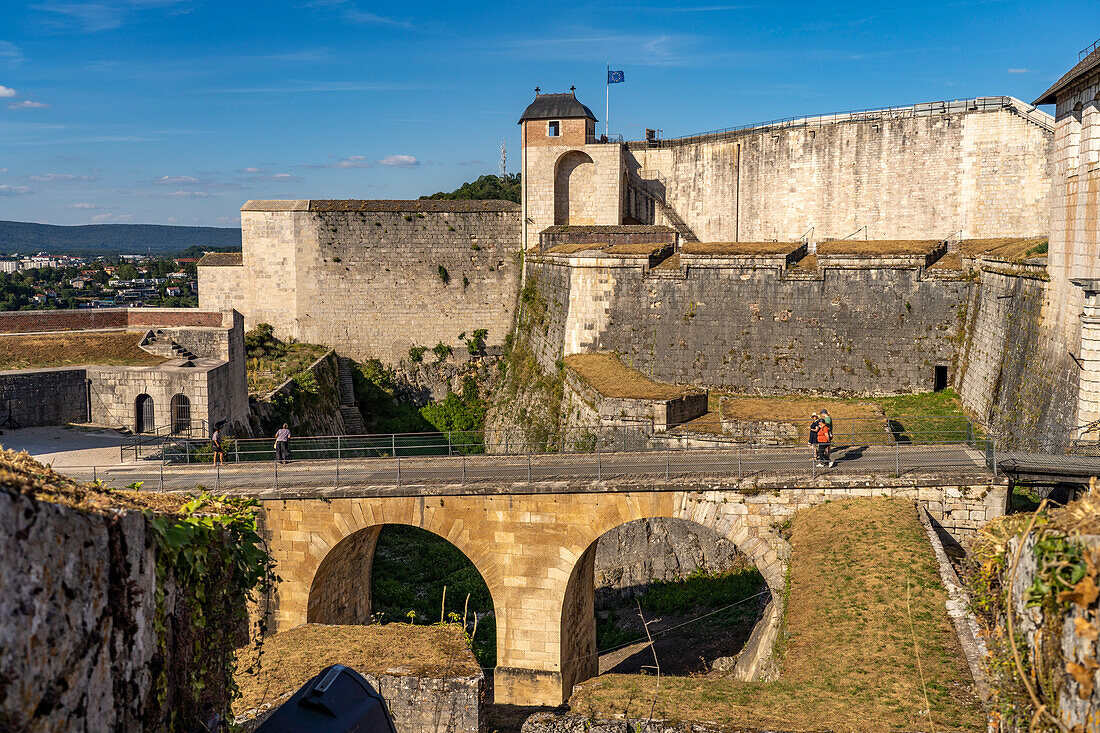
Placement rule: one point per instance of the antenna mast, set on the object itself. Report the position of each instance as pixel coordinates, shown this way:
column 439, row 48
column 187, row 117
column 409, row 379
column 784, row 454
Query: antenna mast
column 503, row 159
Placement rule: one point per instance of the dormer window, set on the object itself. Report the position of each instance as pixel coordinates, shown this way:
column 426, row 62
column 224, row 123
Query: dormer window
column 553, row 128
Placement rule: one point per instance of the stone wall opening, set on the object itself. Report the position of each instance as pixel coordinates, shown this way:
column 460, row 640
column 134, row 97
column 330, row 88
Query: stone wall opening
column 181, row 414
column 144, row 414
column 700, row 597
column 574, row 189
column 400, row 573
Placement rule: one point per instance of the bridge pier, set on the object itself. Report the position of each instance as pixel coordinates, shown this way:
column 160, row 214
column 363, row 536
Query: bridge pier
column 536, row 552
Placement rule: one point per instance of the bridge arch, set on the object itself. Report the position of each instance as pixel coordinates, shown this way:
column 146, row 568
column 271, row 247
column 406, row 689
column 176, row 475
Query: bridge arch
column 577, row 622
column 341, row 591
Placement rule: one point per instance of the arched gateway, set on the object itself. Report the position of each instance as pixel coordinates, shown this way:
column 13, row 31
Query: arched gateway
column 534, row 552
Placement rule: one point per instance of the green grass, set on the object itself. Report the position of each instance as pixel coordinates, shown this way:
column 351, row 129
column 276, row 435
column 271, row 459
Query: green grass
column 412, row 567
column 865, row 600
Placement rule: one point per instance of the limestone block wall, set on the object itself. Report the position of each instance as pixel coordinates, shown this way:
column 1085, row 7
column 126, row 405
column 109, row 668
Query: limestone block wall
column 849, row 330
column 114, row 392
column 574, row 184
column 43, row 397
column 1015, row 368
column 534, row 550
column 986, row 173
column 365, row 277
column 79, row 636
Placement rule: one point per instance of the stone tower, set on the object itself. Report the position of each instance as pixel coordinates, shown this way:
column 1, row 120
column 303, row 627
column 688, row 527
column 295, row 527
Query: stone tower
column 570, row 175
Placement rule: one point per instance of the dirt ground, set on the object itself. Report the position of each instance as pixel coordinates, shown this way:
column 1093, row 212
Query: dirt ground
column 66, row 447
column 611, row 378
column 110, row 348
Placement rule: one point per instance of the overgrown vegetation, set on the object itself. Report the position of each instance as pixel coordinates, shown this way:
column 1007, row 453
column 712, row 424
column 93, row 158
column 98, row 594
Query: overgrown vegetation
column 272, row 361
column 212, row 552
column 117, row 348
column 379, row 397
column 485, row 187
column 411, row 569
column 865, row 603
column 1028, row 686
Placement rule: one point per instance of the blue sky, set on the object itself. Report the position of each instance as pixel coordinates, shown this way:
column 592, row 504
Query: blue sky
column 178, row 111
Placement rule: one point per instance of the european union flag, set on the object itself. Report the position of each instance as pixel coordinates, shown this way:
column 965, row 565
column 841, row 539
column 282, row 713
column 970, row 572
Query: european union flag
column 615, row 77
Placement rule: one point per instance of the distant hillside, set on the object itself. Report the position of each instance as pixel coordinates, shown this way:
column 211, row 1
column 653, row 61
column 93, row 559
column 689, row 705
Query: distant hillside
column 108, row 239
column 486, row 187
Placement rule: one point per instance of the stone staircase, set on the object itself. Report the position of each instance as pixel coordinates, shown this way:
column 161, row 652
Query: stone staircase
column 653, row 190
column 159, row 343
column 353, row 419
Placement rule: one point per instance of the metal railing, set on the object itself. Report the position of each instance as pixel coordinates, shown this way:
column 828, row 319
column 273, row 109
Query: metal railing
column 1088, row 49
column 924, row 109
column 151, row 443
column 877, row 446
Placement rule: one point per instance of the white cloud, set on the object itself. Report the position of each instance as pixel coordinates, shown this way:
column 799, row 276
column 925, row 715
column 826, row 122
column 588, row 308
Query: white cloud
column 10, row 53
column 176, row 180
column 399, row 161
column 51, row 177
column 83, row 206
column 8, row 190
column 190, row 194
column 28, row 104
column 1020, row 71
column 112, row 217
column 172, row 220
column 352, row 161
column 6, row 92
column 255, row 170
column 361, row 16
column 277, row 177
column 104, row 15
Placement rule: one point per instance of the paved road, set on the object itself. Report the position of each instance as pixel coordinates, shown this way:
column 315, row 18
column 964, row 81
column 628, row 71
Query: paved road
column 494, row 474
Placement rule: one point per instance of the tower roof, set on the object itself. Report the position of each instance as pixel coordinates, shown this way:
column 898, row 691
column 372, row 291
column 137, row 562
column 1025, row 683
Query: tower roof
column 1087, row 64
column 556, row 106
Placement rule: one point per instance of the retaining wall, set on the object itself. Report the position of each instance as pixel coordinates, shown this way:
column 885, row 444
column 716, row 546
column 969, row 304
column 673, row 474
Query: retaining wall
column 43, row 397
column 364, row 277
column 851, row 330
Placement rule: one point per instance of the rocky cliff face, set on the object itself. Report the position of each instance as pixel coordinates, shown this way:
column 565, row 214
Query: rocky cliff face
column 634, row 554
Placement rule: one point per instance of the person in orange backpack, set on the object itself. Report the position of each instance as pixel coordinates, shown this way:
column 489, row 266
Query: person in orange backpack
column 824, row 438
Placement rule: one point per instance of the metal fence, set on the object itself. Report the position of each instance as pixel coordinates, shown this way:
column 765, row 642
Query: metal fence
column 925, row 109
column 518, row 458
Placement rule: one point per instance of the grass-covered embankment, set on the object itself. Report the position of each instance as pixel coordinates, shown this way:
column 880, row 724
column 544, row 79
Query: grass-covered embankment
column 866, row 645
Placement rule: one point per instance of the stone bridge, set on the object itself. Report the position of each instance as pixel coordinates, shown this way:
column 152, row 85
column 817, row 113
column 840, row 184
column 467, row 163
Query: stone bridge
column 534, row 545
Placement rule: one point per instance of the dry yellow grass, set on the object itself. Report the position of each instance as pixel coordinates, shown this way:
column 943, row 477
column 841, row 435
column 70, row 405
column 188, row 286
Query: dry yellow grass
column 948, row 262
column 1003, row 248
column 611, row 378
column 21, row 474
column 865, row 600
column 809, row 262
column 671, row 262
column 291, row 658
column 110, row 348
column 880, row 248
column 852, row 421
column 618, row 250
column 739, row 248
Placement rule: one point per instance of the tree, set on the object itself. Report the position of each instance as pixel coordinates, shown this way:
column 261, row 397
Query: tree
column 485, row 187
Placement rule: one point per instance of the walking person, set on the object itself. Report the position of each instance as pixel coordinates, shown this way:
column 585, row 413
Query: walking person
column 815, row 423
column 217, row 445
column 282, row 444
column 824, row 438
column 825, row 418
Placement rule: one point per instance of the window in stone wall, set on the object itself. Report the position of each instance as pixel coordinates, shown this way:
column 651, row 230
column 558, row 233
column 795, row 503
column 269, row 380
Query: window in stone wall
column 553, row 128
column 144, row 418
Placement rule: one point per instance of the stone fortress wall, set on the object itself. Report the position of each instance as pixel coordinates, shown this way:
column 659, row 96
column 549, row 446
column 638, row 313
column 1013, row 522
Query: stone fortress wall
column 372, row 278
column 982, row 167
column 753, row 329
column 213, row 381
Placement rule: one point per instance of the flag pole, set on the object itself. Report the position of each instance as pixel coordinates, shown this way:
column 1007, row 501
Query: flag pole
column 607, row 100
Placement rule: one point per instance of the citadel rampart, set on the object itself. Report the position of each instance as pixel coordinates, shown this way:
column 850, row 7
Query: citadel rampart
column 757, row 329
column 982, row 167
column 372, row 278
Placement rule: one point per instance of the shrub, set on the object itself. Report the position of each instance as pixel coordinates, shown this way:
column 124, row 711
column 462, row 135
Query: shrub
column 442, row 351
column 416, row 354
column 476, row 345
column 444, row 275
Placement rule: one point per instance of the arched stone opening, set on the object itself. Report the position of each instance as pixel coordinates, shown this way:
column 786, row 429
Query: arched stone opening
column 347, row 587
column 580, row 652
column 180, row 409
column 144, row 414
column 575, row 189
